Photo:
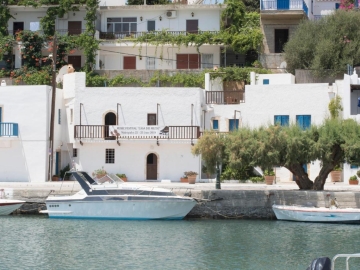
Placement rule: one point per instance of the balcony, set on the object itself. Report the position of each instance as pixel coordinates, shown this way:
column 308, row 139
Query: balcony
column 9, row 130
column 60, row 32
column 134, row 35
column 283, row 9
column 225, row 97
column 103, row 132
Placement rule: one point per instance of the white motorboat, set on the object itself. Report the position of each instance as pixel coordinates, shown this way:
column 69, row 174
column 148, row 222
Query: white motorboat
column 317, row 214
column 118, row 201
column 9, row 206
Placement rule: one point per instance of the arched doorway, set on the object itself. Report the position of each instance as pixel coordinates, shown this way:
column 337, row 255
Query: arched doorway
column 110, row 120
column 151, row 167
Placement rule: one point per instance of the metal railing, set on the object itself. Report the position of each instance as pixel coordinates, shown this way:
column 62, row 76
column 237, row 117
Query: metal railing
column 347, row 256
column 103, row 132
column 225, row 97
column 284, row 5
column 9, row 130
column 134, row 35
column 61, row 32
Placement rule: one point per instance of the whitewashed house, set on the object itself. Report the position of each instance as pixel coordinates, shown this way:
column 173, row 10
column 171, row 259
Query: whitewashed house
column 156, row 129
column 120, row 24
column 24, row 133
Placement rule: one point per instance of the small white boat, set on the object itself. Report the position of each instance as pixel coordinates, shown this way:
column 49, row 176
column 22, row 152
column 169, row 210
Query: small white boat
column 317, row 214
column 9, row 206
column 118, row 201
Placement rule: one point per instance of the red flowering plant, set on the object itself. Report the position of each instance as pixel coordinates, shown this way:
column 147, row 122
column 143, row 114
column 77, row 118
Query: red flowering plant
column 347, row 4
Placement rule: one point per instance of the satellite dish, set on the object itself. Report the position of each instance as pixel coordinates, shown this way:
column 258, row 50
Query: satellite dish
column 62, row 72
column 283, row 65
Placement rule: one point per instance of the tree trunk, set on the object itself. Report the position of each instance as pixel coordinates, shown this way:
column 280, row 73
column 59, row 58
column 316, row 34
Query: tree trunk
column 301, row 177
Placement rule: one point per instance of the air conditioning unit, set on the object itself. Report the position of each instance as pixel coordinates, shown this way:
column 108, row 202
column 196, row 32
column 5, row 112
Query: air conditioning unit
column 64, row 17
column 171, row 14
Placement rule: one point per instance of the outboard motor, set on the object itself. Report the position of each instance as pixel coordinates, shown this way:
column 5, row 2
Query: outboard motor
column 323, row 263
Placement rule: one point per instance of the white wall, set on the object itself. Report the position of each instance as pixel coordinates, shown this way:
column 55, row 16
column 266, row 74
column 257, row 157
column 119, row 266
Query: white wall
column 286, row 78
column 324, row 7
column 25, row 158
column 165, row 56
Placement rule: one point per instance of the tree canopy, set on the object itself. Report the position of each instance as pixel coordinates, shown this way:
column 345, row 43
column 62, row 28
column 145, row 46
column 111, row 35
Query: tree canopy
column 332, row 143
column 148, row 2
column 325, row 46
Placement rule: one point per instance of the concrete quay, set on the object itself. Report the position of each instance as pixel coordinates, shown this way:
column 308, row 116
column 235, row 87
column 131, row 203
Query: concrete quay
column 234, row 200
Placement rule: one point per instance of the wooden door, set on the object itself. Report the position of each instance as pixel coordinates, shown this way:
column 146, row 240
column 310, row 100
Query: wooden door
column 110, row 120
column 129, row 62
column 151, row 167
column 75, row 60
column 192, row 26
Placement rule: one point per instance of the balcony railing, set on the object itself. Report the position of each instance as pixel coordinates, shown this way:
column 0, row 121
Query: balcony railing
column 61, row 32
column 9, row 130
column 103, row 132
column 284, row 5
column 134, row 35
column 225, row 97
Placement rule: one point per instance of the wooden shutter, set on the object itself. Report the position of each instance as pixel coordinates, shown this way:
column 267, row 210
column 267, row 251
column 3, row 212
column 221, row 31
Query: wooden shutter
column 192, row 26
column 194, row 61
column 74, row 28
column 75, row 60
column 181, row 61
column 151, row 119
column 129, row 62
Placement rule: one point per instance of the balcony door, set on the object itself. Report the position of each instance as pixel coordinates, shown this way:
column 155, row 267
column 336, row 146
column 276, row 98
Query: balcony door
column 151, row 167
column 74, row 28
column 110, row 120
column 18, row 26
column 283, row 4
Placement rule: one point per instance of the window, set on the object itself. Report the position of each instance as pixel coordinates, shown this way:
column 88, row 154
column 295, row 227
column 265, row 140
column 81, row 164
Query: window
column 18, row 26
column 122, row 25
column 150, row 63
column 304, row 121
column 207, row 61
column 34, row 26
column 129, row 62
column 110, row 156
column 151, row 119
column 282, row 120
column 215, row 124
column 75, row 152
column 353, row 166
column 192, row 26
column 266, row 81
column 233, row 124
column 188, row 61
column 281, row 37
column 151, row 26
column 59, row 116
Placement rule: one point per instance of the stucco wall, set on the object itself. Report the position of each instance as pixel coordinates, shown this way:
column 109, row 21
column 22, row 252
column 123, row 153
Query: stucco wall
column 25, row 158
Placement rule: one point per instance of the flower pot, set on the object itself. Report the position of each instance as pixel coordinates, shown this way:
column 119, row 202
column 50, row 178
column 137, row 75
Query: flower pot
column 335, row 176
column 124, row 179
column 192, row 179
column 184, row 180
column 269, row 179
column 55, row 178
column 353, row 182
column 98, row 176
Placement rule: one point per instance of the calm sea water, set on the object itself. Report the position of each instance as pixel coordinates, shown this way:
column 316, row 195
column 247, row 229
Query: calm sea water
column 42, row 243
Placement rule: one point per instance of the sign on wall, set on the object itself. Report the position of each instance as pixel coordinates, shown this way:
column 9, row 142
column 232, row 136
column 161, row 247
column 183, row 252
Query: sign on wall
column 138, row 130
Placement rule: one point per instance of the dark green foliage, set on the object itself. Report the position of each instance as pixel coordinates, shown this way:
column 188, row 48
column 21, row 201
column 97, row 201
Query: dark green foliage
column 148, row 2
column 325, row 46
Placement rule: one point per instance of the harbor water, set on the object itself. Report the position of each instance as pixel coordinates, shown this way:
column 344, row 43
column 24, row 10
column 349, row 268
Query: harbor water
column 32, row 242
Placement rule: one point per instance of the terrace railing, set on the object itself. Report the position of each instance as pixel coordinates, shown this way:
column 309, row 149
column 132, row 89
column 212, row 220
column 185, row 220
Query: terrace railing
column 284, row 5
column 9, row 129
column 103, row 132
column 225, row 97
column 134, row 35
column 61, row 32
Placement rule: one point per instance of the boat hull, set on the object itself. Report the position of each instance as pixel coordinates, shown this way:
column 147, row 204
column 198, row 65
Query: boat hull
column 9, row 206
column 317, row 214
column 120, row 209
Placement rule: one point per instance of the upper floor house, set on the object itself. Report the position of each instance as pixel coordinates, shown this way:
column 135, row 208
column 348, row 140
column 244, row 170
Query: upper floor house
column 279, row 20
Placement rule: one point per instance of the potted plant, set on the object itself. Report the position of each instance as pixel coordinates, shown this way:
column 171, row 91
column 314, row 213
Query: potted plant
column 269, row 176
column 184, row 178
column 336, row 174
column 358, row 173
column 55, row 177
column 353, row 180
column 99, row 173
column 122, row 176
column 191, row 176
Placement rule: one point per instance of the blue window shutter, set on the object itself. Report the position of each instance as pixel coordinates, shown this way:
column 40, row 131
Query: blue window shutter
column 337, row 5
column 233, row 124
column 266, row 81
column 0, row 120
column 358, row 106
column 15, row 130
column 304, row 121
column 216, row 124
column 282, row 120
column 353, row 166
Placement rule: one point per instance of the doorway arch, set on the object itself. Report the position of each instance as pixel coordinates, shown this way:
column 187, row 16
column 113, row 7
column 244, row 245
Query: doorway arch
column 151, row 166
column 109, row 120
